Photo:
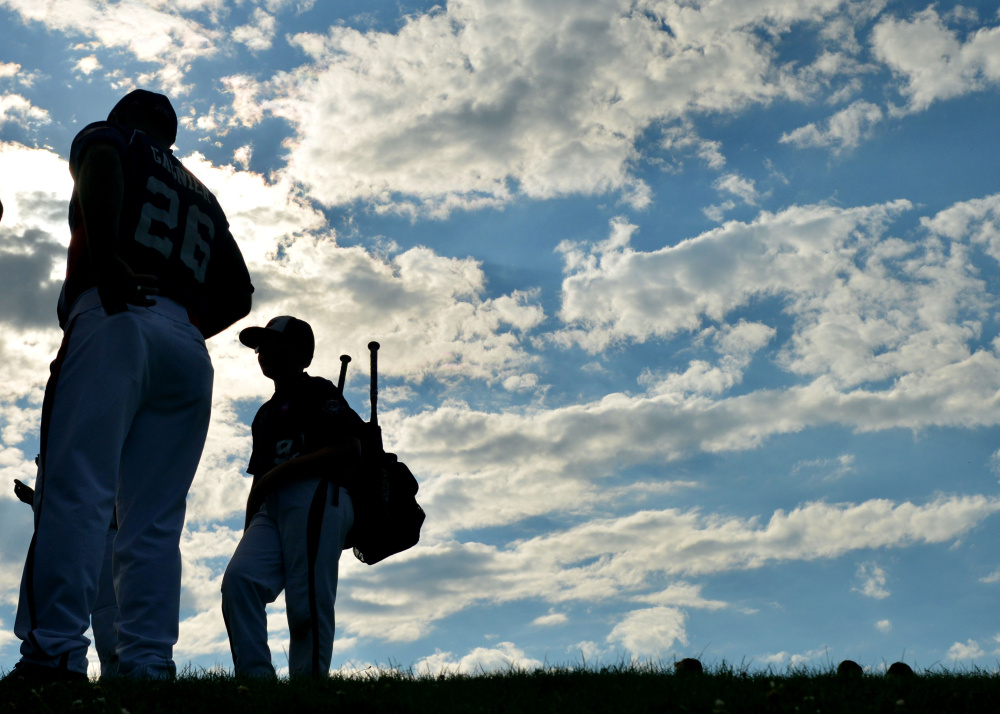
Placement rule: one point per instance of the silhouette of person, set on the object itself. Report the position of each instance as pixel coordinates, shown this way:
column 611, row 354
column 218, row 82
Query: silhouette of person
column 152, row 272
column 306, row 446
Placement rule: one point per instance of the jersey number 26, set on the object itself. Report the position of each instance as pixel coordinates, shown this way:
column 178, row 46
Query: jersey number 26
column 196, row 247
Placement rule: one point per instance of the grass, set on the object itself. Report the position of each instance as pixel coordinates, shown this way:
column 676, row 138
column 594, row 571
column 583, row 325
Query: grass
column 623, row 688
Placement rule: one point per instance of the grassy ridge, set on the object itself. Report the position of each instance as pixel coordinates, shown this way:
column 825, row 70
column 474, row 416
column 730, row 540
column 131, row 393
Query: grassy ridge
column 625, row 688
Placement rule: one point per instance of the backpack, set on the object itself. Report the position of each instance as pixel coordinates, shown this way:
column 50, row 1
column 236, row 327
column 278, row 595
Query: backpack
column 387, row 517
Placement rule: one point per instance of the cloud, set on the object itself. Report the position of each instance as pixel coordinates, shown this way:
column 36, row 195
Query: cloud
column 873, row 580
column 651, row 632
column 260, row 34
column 16, row 109
column 932, row 60
column 792, row 661
column 866, row 308
column 827, row 469
column 152, row 34
column 482, row 660
column 993, row 577
column 969, row 650
column 608, row 559
column 26, row 266
column 467, row 121
column 553, row 618
column 88, row 65
column 844, row 130
column 884, row 626
column 738, row 186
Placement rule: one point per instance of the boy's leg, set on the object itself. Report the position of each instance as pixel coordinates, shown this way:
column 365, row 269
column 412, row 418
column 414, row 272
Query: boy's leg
column 313, row 530
column 254, row 577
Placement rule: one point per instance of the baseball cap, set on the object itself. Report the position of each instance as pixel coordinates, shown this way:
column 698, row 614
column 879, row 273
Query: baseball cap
column 153, row 107
column 284, row 329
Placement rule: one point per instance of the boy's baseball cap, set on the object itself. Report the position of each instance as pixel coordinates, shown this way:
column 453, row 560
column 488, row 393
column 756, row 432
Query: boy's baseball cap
column 152, row 106
column 284, row 329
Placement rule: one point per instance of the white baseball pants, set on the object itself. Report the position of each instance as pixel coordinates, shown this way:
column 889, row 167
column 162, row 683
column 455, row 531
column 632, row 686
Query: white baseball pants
column 126, row 427
column 293, row 544
column 105, row 611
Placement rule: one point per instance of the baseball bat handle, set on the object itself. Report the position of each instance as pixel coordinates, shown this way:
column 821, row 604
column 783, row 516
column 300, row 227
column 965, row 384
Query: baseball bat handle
column 344, row 359
column 373, row 347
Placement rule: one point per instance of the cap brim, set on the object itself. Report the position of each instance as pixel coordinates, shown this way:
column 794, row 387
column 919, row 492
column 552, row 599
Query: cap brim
column 254, row 337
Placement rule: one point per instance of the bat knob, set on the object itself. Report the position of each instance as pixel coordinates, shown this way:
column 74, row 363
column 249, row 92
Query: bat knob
column 373, row 346
column 345, row 358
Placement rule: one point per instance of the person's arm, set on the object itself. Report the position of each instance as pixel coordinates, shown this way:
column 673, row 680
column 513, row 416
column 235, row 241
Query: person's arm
column 100, row 190
column 229, row 288
column 24, row 492
column 345, row 451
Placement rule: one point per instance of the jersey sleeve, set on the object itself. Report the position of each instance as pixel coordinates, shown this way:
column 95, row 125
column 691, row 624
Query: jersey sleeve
column 227, row 292
column 100, row 132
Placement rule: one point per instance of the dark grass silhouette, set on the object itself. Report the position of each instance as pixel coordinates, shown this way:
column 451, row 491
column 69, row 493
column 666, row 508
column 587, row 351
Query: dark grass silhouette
column 625, row 687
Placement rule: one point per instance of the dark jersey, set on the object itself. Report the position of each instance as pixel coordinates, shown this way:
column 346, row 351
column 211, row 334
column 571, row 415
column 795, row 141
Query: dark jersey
column 310, row 417
column 171, row 226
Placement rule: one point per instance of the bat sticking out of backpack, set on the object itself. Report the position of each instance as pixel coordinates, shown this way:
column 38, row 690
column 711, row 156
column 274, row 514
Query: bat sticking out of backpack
column 387, row 517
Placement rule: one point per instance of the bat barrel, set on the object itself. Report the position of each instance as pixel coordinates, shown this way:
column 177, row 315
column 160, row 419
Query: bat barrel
column 373, row 347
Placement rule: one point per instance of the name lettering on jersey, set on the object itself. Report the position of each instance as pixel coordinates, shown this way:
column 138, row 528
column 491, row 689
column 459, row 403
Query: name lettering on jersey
column 180, row 174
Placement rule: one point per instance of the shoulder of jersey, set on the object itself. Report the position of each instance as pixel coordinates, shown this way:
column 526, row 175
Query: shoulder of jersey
column 98, row 126
column 96, row 131
column 330, row 399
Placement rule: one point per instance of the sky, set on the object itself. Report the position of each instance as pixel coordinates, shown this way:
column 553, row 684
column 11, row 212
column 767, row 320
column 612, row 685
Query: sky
column 687, row 310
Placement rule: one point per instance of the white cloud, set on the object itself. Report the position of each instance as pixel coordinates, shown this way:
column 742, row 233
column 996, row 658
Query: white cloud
column 482, row 660
column 17, row 110
column 933, row 61
column 651, row 632
column 467, row 122
column 977, row 220
column 884, row 626
column 873, row 581
column 151, row 32
column 259, row 35
column 844, row 130
column 792, row 661
column 242, row 156
column 606, row 560
column 867, row 308
column 969, row 650
column 88, row 65
column 993, row 577
column 738, row 186
column 553, row 618
column 826, row 469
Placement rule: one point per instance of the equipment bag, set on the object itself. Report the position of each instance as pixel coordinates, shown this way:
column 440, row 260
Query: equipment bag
column 387, row 517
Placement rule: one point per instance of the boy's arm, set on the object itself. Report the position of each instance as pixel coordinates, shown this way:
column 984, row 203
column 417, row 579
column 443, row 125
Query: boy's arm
column 324, row 460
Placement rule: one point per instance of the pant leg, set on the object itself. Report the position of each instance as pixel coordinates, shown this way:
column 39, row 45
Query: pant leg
column 105, row 610
column 91, row 402
column 254, row 577
column 158, row 464
column 313, row 528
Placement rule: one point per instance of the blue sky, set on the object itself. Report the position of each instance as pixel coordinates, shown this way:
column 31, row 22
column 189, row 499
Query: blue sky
column 687, row 309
